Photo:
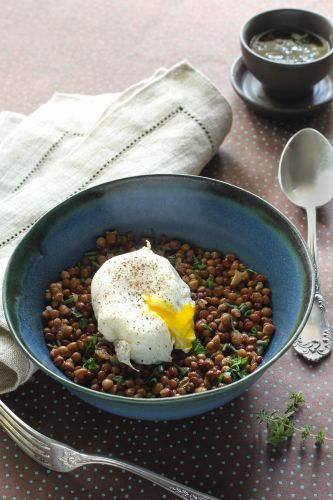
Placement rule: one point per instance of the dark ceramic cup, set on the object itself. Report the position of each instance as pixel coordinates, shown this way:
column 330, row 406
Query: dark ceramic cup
column 287, row 81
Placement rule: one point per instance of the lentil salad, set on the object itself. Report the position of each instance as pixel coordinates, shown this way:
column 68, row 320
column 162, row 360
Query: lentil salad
column 233, row 323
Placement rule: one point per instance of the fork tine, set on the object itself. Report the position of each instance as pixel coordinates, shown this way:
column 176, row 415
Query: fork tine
column 35, row 453
column 21, row 434
column 18, row 424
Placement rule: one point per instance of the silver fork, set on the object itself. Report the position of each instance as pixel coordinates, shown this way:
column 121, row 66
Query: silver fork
column 62, row 458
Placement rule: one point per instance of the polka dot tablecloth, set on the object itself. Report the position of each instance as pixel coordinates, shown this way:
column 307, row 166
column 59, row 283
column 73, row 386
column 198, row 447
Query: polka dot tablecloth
column 101, row 46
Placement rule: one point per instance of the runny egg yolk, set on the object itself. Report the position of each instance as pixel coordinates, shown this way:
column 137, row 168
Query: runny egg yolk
column 179, row 323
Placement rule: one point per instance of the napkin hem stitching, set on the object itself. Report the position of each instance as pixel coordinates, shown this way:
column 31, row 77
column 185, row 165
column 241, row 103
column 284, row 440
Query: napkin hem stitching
column 45, row 157
column 144, row 134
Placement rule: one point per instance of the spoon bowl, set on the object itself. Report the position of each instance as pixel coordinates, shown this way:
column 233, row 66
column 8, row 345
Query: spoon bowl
column 306, row 169
column 306, row 178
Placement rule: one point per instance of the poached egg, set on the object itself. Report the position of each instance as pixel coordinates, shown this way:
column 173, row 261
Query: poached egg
column 143, row 306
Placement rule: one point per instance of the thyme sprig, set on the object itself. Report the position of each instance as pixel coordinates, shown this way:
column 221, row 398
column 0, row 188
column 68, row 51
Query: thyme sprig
column 281, row 427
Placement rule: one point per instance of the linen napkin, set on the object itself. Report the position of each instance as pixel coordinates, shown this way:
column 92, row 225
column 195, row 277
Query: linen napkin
column 172, row 122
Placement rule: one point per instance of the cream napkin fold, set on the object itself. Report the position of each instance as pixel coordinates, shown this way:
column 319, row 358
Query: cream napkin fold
column 172, row 122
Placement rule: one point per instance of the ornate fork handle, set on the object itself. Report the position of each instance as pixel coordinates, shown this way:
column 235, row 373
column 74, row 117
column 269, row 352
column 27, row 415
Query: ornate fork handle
column 72, row 459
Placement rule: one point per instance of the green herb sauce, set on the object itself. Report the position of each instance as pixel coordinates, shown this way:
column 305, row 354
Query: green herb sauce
column 291, row 47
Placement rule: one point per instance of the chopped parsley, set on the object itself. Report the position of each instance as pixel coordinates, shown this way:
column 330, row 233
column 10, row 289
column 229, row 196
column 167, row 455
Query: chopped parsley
column 264, row 343
column 197, row 263
column 230, row 304
column 91, row 365
column 83, row 323
column 243, row 308
column 70, row 301
column 182, row 371
column 207, row 327
column 236, row 367
column 91, row 255
column 198, row 348
column 228, row 347
column 151, row 380
column 210, row 283
column 157, row 372
column 119, row 379
column 89, row 348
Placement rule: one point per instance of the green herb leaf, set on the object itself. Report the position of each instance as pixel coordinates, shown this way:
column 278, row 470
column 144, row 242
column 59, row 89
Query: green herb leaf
column 210, row 283
column 197, row 263
column 297, row 397
column 91, row 255
column 198, row 348
column 239, row 361
column 207, row 327
column 89, row 347
column 228, row 347
column 91, row 365
column 155, row 374
column 253, row 331
column 243, row 308
column 70, row 301
column 305, row 432
column 264, row 343
column 248, row 313
column 281, row 430
column 119, row 379
column 262, row 416
column 319, row 438
column 229, row 304
column 83, row 323
column 151, row 379
column 236, row 367
column 182, row 371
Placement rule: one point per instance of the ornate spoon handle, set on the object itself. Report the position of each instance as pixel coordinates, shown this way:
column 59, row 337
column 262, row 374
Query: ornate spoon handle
column 315, row 341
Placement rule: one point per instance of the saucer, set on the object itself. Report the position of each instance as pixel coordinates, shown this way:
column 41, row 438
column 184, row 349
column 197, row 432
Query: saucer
column 252, row 92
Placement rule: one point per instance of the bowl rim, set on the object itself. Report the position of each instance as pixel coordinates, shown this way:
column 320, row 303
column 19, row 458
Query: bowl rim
column 186, row 397
column 276, row 64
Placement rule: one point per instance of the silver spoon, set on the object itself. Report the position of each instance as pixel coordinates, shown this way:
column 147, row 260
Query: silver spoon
column 306, row 178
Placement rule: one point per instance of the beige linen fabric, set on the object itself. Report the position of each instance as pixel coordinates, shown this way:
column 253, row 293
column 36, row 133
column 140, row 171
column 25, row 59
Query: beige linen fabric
column 173, row 122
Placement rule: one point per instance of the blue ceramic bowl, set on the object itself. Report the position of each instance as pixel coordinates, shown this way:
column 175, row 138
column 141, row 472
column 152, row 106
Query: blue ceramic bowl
column 205, row 212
